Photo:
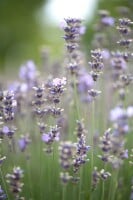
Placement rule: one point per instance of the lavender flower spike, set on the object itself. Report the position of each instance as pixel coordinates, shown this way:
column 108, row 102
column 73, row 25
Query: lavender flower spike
column 2, row 194
column 15, row 182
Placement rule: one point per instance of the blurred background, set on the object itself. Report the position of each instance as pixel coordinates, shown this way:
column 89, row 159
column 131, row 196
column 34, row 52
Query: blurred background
column 30, row 26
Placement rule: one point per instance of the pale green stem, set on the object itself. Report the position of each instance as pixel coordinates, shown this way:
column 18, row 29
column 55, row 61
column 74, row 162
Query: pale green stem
column 103, row 190
column 64, row 192
column 92, row 145
column 113, row 185
column 4, row 184
column 80, row 182
column 76, row 98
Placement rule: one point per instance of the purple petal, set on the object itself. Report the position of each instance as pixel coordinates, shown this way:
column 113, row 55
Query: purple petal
column 57, row 138
column 5, row 130
column 22, row 144
column 45, row 137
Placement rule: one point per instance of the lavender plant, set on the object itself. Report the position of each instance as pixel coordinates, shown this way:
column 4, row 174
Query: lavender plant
column 71, row 135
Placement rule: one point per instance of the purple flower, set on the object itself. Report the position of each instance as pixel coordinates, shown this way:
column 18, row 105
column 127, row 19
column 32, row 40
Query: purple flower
column 108, row 21
column 124, row 154
column 82, row 30
column 117, row 113
column 5, row 130
column 105, row 54
column 118, row 63
column 57, row 137
column 28, row 71
column 93, row 93
column 51, row 136
column 85, row 82
column 2, row 194
column 14, row 86
column 46, row 137
column 57, row 82
column 23, row 142
column 8, row 131
column 14, row 180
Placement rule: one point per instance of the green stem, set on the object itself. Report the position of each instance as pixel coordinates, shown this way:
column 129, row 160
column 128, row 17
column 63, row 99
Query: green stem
column 76, row 100
column 4, row 184
column 92, row 145
column 80, row 182
column 40, row 173
column 92, row 134
column 29, row 178
column 113, row 185
column 64, row 192
column 103, row 190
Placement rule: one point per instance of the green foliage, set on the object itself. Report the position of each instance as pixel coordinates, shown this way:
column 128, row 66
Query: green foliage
column 20, row 31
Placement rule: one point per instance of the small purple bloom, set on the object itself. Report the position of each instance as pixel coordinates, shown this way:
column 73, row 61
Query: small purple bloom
column 108, row 21
column 23, row 142
column 46, row 137
column 23, row 87
column 82, row 30
column 85, row 82
column 59, row 82
column 105, row 54
column 14, row 86
column 118, row 63
column 28, row 71
column 117, row 113
column 57, row 137
column 2, row 194
column 124, row 154
column 6, row 130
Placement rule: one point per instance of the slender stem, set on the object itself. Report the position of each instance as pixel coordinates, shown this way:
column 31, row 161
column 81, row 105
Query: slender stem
column 29, row 177
column 76, row 98
column 92, row 145
column 64, row 192
column 103, row 190
column 113, row 185
column 92, row 134
column 4, row 184
column 80, row 182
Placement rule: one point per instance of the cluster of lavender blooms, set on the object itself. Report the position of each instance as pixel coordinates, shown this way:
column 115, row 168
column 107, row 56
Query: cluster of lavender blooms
column 113, row 149
column 28, row 74
column 112, row 143
column 66, row 158
column 84, row 81
column 50, row 93
column 73, row 29
column 8, row 105
column 73, row 155
column 124, row 29
column 23, row 142
column 105, row 18
column 15, row 182
column 2, row 194
column 50, row 137
column 120, row 59
column 119, row 115
column 38, row 105
column 96, row 63
column 81, row 147
column 99, row 175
